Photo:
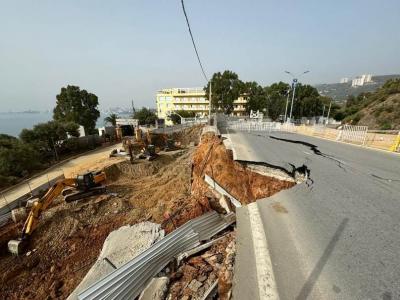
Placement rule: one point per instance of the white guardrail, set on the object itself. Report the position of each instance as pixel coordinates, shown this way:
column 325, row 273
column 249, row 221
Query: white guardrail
column 353, row 134
column 261, row 126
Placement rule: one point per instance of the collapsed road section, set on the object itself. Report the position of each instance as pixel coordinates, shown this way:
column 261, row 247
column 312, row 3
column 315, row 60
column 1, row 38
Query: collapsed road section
column 78, row 246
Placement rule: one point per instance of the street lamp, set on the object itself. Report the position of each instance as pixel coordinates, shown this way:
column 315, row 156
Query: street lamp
column 294, row 83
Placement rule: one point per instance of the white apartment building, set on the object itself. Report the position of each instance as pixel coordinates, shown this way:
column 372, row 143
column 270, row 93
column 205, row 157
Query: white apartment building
column 361, row 80
column 189, row 99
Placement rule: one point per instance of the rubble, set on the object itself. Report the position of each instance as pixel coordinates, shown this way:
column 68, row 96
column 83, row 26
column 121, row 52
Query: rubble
column 156, row 289
column 197, row 274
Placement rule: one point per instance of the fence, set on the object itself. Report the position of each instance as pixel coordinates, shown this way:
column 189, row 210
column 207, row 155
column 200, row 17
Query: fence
column 194, row 120
column 261, row 126
column 383, row 139
column 353, row 134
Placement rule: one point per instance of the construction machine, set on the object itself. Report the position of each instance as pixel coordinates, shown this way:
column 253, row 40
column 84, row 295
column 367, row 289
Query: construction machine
column 85, row 185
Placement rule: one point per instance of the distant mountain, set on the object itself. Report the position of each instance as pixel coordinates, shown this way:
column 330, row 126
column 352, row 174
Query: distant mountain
column 340, row 91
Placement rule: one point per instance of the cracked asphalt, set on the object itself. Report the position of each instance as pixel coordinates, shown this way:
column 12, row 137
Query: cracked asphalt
column 340, row 236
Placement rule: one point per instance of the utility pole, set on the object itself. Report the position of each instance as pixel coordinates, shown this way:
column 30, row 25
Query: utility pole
column 287, row 102
column 329, row 111
column 133, row 109
column 209, row 104
column 323, row 113
column 294, row 92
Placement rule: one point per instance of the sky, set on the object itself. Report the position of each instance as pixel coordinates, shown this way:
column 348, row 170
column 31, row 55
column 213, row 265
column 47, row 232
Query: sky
column 127, row 50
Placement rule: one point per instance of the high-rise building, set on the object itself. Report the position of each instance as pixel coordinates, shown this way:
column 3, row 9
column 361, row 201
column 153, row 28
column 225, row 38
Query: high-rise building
column 361, row 80
column 192, row 100
column 344, row 80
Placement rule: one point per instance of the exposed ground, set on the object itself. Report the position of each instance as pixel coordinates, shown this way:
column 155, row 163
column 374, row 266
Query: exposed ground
column 168, row 190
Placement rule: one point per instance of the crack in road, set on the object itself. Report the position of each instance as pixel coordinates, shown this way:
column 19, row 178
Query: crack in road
column 314, row 148
column 382, row 178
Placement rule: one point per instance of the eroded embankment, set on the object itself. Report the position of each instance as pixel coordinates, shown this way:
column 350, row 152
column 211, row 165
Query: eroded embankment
column 242, row 182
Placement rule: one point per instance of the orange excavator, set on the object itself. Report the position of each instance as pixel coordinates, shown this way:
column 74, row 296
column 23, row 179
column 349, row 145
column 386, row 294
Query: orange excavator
column 85, row 185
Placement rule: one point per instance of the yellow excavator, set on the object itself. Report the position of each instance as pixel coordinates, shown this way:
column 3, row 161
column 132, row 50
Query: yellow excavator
column 85, row 185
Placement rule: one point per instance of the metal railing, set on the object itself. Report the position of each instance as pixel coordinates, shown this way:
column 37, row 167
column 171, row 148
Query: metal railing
column 261, row 126
column 353, row 133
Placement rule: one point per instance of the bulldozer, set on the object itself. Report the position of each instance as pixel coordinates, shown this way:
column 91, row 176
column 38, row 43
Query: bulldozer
column 73, row 189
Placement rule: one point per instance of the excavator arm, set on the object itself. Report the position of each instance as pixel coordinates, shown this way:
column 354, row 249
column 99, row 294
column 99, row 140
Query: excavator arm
column 41, row 205
column 18, row 246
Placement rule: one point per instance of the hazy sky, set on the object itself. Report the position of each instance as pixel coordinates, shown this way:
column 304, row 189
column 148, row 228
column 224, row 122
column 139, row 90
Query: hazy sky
column 123, row 50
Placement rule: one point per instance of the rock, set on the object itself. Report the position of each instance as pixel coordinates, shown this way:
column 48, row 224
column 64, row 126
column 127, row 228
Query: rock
column 202, row 278
column 196, row 261
column 156, row 289
column 194, row 285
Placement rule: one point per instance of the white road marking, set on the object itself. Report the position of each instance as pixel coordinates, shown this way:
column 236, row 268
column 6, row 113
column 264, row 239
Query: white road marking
column 265, row 276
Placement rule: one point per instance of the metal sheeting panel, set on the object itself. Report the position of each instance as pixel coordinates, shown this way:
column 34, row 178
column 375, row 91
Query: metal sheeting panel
column 128, row 281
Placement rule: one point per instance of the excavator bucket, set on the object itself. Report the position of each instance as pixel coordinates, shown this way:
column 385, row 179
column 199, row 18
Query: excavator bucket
column 16, row 247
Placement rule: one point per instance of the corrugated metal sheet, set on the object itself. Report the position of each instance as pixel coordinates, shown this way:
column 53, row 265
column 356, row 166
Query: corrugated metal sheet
column 213, row 184
column 128, row 281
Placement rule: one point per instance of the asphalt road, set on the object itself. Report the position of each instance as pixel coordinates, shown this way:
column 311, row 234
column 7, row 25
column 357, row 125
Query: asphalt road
column 340, row 236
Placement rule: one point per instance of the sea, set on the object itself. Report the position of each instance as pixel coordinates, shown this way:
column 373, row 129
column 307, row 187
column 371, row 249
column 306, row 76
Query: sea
column 12, row 123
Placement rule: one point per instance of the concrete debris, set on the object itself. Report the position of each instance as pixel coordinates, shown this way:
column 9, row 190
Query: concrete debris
column 121, row 246
column 225, row 275
column 194, row 284
column 197, row 277
column 156, row 289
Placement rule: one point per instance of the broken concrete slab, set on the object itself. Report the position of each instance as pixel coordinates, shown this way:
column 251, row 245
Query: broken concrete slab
column 156, row 289
column 121, row 246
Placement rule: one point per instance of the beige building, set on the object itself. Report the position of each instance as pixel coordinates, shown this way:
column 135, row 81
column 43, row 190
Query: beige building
column 190, row 99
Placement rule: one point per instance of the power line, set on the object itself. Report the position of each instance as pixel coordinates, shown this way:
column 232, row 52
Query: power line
column 194, row 44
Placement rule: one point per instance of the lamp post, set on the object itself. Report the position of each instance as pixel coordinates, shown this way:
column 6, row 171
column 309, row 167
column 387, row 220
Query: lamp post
column 294, row 83
column 287, row 102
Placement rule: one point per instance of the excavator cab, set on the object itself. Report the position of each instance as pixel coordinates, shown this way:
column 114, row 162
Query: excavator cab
column 85, row 181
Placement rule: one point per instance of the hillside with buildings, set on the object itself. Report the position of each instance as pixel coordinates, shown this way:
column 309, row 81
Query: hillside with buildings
column 339, row 92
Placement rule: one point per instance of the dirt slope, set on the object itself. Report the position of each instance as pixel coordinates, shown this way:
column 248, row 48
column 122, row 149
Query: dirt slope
column 382, row 115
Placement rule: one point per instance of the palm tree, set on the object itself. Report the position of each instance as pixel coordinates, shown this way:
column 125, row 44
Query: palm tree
column 112, row 119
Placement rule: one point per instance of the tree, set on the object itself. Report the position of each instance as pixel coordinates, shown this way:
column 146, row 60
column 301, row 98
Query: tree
column 78, row 106
column 175, row 117
column 256, row 97
column 145, row 116
column 276, row 99
column 45, row 136
column 226, row 88
column 307, row 102
column 16, row 158
column 112, row 119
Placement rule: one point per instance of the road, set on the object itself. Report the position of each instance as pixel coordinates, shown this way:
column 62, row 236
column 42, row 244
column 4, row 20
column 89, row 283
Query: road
column 69, row 168
column 336, row 236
